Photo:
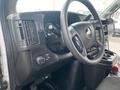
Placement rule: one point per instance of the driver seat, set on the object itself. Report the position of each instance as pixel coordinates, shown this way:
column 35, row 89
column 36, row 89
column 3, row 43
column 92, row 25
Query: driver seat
column 110, row 83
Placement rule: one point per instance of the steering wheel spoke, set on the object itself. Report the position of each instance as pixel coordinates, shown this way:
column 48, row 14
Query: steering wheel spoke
column 72, row 31
column 77, row 41
column 100, row 43
column 85, row 52
column 79, row 45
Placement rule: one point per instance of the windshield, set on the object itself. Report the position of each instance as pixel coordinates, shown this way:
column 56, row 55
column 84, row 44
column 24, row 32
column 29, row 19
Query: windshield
column 56, row 5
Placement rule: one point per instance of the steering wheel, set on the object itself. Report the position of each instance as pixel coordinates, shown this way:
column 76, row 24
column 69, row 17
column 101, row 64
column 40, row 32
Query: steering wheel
column 80, row 36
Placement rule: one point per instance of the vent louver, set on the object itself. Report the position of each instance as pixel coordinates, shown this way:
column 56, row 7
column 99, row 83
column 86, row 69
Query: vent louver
column 28, row 32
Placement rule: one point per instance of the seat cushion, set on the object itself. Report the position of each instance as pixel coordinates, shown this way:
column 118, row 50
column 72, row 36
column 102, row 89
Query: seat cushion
column 110, row 83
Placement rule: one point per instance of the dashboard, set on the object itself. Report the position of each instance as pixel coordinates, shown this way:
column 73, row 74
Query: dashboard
column 38, row 42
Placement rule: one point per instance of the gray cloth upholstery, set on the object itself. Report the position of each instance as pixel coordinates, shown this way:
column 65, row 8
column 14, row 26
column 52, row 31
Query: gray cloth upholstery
column 110, row 83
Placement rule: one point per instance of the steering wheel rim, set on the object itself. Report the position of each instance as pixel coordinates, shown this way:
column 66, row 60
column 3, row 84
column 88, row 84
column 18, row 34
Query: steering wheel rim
column 68, row 39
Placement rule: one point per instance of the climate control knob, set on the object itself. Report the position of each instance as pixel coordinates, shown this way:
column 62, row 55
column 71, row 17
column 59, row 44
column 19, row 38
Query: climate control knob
column 40, row 60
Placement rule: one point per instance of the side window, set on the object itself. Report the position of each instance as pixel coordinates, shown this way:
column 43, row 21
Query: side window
column 116, row 18
column 114, row 36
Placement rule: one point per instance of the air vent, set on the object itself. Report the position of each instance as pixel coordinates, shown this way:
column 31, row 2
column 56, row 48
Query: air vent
column 28, row 32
